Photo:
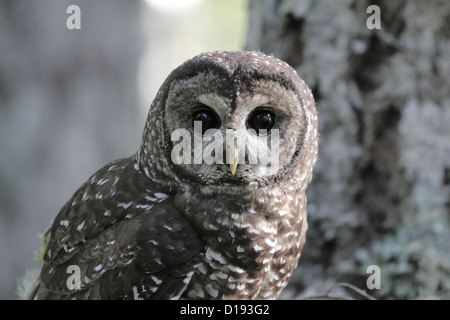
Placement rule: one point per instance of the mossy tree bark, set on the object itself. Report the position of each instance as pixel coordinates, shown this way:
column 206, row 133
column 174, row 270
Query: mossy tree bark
column 381, row 190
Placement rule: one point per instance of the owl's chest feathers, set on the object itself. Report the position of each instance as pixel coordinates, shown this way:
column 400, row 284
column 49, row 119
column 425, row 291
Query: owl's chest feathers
column 242, row 236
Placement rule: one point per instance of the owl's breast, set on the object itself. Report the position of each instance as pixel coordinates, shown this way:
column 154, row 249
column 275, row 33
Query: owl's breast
column 250, row 251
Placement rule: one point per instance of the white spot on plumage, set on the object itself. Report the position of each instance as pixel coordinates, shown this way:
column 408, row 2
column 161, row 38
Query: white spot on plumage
column 188, row 277
column 64, row 223
column 240, row 286
column 156, row 280
column 235, row 216
column 253, row 231
column 211, row 254
column 197, row 292
column 268, row 229
column 270, row 242
column 144, row 206
column 202, row 268
column 212, row 291
column 221, row 275
column 66, row 248
column 148, row 198
column 81, row 226
column 98, row 268
column 124, row 205
column 102, row 181
column 160, row 195
column 258, row 247
column 241, row 225
column 236, row 268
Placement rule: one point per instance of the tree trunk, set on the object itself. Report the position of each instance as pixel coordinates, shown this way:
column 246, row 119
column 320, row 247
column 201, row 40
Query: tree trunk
column 381, row 189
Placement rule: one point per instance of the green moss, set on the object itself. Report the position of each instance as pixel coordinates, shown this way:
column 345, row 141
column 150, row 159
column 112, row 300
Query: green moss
column 39, row 255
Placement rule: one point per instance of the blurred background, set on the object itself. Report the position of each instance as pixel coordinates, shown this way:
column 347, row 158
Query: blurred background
column 73, row 100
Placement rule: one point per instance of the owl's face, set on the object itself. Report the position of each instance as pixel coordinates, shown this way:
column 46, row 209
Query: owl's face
column 234, row 118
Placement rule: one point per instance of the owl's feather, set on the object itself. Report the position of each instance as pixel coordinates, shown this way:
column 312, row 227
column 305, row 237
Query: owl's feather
column 147, row 227
column 126, row 236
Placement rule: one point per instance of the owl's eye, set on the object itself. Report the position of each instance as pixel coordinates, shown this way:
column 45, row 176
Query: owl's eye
column 261, row 119
column 208, row 118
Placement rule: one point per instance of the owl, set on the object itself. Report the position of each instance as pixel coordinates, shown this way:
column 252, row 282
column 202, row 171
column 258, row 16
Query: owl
column 212, row 205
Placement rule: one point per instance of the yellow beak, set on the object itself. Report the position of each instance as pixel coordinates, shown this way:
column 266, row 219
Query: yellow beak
column 232, row 158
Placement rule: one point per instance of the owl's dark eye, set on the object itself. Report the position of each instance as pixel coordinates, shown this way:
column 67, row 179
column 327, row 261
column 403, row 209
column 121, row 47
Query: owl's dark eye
column 261, row 119
column 208, row 118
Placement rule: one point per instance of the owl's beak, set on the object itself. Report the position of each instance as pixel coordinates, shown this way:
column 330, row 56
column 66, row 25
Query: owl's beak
column 232, row 158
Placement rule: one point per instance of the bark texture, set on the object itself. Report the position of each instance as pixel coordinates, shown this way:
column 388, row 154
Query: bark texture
column 381, row 190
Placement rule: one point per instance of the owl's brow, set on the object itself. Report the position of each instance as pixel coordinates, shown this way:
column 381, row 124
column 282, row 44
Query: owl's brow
column 236, row 74
column 194, row 68
column 249, row 78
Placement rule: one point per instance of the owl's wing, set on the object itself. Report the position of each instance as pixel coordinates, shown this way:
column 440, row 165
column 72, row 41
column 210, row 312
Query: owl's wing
column 119, row 237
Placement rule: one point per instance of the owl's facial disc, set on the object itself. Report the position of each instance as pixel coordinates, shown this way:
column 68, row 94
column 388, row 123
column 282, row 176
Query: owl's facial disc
column 223, row 137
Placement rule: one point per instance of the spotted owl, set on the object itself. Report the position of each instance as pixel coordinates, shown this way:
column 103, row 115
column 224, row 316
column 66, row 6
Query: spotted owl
column 212, row 205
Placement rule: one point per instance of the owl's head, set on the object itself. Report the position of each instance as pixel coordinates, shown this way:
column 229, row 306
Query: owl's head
column 232, row 118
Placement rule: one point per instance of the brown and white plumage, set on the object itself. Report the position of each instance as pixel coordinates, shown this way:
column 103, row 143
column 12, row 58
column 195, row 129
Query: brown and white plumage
column 146, row 227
